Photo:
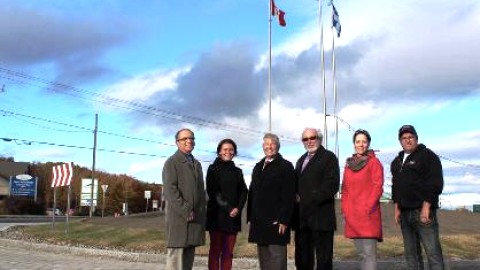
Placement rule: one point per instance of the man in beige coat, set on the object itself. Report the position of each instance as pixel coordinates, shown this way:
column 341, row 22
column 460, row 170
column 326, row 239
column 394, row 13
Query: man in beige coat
column 185, row 203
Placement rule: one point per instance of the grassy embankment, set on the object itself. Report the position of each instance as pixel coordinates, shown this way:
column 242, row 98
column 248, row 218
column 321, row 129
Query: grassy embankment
column 460, row 235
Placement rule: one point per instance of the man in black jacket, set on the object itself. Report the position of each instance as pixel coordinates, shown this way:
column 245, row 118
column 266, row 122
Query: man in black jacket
column 271, row 198
column 318, row 180
column 417, row 182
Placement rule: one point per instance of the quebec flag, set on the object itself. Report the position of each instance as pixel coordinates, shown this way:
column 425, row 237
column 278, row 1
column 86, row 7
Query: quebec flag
column 336, row 21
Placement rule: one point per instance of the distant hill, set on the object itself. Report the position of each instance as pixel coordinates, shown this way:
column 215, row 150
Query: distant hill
column 121, row 188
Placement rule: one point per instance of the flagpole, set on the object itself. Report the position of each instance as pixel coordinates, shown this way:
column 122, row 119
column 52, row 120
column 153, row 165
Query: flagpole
column 270, row 66
column 322, row 66
column 335, row 100
column 335, row 92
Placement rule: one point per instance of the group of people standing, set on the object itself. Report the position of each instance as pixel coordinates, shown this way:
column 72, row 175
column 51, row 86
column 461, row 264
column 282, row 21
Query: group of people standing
column 282, row 198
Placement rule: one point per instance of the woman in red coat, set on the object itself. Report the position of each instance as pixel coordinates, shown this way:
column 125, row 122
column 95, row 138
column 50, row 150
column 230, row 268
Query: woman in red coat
column 362, row 188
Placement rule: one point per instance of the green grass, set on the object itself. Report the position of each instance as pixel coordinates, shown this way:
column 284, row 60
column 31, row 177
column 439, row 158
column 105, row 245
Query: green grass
column 150, row 239
column 97, row 235
column 459, row 234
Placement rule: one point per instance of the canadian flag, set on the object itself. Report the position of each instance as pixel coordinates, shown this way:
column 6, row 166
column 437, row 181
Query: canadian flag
column 280, row 14
column 62, row 175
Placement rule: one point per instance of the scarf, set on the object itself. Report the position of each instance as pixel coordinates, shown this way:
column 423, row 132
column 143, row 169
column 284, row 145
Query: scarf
column 356, row 163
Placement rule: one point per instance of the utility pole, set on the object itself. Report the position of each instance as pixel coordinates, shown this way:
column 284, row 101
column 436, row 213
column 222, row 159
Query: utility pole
column 93, row 165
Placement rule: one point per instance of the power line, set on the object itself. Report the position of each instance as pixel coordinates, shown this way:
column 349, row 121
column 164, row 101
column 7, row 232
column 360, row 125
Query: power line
column 350, row 128
column 131, row 105
column 30, row 142
column 146, row 109
column 86, row 129
column 474, row 166
column 15, row 115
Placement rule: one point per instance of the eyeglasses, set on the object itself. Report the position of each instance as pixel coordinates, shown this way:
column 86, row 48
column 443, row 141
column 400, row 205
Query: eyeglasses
column 306, row 139
column 185, row 139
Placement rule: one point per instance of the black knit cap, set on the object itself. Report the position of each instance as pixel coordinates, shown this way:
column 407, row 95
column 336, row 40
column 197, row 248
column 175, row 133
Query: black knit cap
column 364, row 132
column 407, row 129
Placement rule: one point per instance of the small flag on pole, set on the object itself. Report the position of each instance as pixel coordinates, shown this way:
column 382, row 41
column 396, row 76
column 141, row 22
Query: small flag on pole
column 336, row 21
column 62, row 175
column 280, row 14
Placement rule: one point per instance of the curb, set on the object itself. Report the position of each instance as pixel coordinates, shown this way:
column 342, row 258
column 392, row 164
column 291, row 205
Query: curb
column 84, row 251
column 202, row 261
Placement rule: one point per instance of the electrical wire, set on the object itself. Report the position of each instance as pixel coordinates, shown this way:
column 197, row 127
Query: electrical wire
column 150, row 110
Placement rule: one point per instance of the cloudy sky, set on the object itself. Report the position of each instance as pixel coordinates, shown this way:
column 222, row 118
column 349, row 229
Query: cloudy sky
column 149, row 68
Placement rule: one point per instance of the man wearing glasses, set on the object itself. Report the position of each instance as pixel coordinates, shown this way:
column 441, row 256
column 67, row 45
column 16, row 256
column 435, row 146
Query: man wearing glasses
column 317, row 182
column 185, row 203
column 417, row 182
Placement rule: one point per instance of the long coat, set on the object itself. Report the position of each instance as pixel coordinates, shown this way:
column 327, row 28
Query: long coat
column 270, row 201
column 226, row 190
column 317, row 185
column 361, row 193
column 184, row 192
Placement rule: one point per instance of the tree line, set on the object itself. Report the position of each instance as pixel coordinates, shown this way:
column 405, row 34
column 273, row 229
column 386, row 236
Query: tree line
column 121, row 189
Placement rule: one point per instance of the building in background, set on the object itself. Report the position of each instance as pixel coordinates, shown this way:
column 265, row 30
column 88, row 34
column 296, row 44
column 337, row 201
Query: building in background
column 8, row 169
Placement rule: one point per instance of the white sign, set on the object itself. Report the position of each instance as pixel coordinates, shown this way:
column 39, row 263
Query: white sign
column 86, row 195
column 104, row 188
column 155, row 204
column 148, row 194
column 23, row 177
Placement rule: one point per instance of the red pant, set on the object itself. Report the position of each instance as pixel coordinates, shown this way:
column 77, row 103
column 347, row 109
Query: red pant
column 221, row 250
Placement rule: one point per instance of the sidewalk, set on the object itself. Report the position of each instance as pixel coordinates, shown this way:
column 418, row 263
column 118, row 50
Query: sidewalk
column 200, row 261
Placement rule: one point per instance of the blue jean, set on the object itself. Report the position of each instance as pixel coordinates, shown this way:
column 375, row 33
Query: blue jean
column 415, row 232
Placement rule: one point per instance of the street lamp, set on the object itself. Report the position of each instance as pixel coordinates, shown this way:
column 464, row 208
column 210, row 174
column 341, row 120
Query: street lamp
column 337, row 118
column 343, row 121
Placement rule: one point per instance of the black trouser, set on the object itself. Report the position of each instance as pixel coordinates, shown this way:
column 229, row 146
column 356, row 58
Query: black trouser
column 311, row 245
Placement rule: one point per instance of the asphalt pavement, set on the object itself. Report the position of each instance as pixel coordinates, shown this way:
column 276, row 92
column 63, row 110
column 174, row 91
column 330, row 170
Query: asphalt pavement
column 19, row 255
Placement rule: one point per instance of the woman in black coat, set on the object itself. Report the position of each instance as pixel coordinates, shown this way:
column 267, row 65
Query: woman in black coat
column 227, row 194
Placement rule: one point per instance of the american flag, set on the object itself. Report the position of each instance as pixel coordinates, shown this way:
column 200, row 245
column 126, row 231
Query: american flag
column 62, row 175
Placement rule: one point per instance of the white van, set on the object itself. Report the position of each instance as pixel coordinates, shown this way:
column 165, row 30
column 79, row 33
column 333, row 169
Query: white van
column 57, row 212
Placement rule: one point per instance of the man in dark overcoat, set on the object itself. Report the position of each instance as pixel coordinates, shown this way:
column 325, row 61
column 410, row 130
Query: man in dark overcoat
column 318, row 181
column 270, row 205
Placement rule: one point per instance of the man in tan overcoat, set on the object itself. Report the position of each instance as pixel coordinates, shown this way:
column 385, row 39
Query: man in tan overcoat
column 185, row 203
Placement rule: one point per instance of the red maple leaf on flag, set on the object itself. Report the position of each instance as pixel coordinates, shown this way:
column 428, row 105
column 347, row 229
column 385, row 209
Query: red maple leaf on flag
column 280, row 14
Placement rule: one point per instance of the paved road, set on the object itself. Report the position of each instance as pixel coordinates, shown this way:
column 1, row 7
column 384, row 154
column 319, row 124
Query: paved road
column 15, row 258
column 20, row 255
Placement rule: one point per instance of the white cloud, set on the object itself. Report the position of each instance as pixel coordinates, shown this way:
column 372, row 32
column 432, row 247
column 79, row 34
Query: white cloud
column 414, row 41
column 139, row 169
column 460, row 200
column 143, row 86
